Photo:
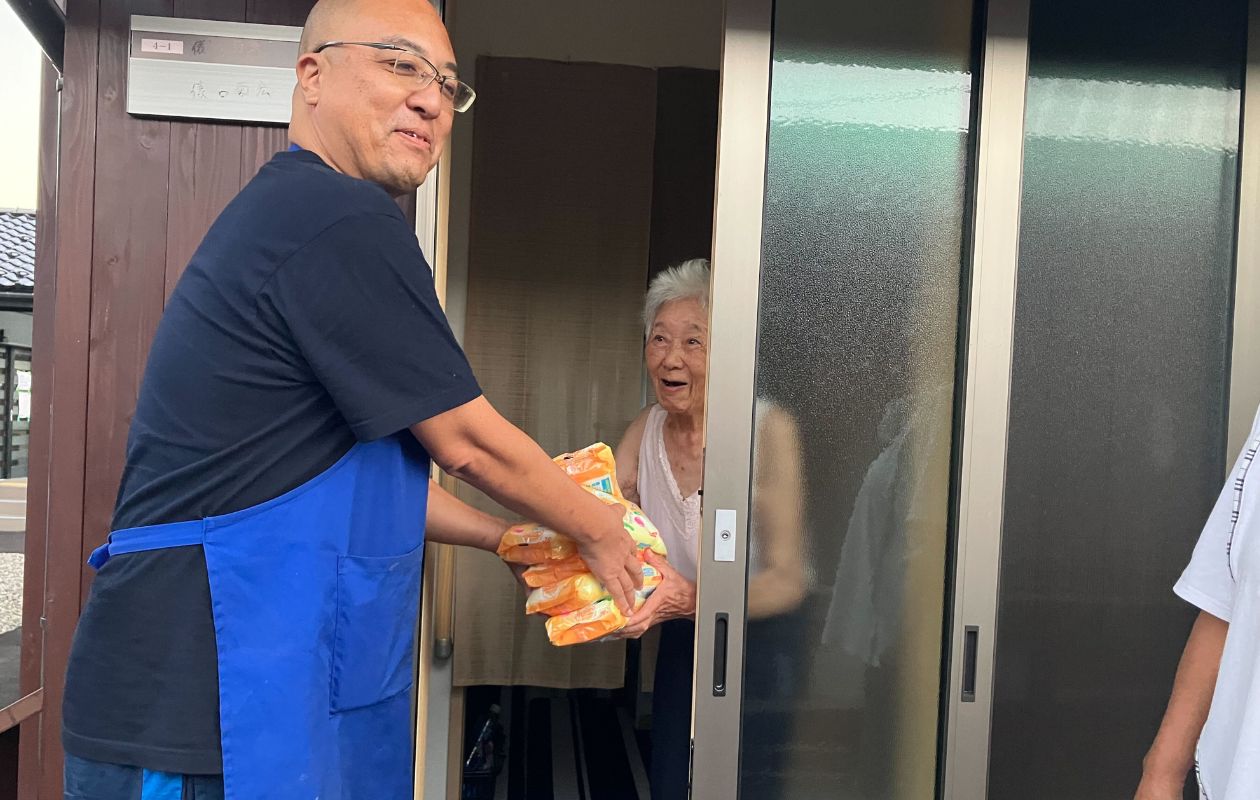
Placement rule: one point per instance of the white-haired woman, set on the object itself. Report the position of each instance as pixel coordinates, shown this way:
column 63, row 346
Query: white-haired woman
column 660, row 466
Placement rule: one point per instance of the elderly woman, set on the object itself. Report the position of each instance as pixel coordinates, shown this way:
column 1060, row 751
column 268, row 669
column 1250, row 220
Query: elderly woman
column 660, row 466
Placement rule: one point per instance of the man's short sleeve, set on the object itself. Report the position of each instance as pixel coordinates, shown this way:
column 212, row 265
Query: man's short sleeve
column 1208, row 581
column 359, row 304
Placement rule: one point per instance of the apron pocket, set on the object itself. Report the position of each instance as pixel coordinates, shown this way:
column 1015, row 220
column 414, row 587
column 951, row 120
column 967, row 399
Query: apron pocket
column 377, row 604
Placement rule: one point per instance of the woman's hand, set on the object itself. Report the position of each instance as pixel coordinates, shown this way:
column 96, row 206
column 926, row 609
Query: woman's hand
column 674, row 598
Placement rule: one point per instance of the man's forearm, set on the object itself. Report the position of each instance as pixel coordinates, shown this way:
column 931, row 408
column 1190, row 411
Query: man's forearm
column 496, row 457
column 1172, row 754
column 452, row 521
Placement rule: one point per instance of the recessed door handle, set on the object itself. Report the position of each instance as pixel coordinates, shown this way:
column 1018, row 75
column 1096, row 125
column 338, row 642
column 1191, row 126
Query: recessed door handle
column 719, row 655
column 971, row 646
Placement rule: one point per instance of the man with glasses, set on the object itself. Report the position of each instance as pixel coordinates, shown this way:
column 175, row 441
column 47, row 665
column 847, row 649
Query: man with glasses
column 251, row 627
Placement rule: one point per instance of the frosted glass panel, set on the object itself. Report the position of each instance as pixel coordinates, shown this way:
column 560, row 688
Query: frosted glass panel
column 863, row 246
column 1120, row 383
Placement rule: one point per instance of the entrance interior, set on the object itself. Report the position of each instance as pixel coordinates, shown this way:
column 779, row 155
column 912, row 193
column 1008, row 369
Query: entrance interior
column 952, row 431
column 586, row 167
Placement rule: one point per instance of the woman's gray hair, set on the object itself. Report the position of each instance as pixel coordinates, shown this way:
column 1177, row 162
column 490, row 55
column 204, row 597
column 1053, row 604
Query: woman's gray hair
column 686, row 281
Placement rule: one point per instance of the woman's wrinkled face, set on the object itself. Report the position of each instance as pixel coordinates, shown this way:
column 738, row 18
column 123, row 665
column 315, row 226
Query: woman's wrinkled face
column 677, row 356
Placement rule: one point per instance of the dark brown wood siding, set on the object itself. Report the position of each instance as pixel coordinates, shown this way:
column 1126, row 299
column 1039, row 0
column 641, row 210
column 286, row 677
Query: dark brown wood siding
column 124, row 203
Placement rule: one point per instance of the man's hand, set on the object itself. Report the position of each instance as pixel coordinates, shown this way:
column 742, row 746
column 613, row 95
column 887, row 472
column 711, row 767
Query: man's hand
column 1171, row 756
column 674, row 598
column 475, row 444
column 614, row 559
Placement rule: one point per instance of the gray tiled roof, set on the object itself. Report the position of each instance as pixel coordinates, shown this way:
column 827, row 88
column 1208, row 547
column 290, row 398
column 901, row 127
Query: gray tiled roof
column 17, row 251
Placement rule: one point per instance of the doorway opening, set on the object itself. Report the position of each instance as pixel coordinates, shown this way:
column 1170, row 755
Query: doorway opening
column 586, row 167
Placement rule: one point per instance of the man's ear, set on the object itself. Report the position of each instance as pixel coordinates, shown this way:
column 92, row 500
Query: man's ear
column 310, row 73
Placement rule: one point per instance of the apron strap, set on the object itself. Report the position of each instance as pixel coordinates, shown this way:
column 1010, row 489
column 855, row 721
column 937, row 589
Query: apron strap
column 150, row 537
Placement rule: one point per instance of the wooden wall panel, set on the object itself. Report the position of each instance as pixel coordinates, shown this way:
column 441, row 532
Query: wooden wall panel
column 205, row 164
column 262, row 143
column 41, row 390
column 258, row 146
column 66, row 406
column 133, row 200
column 204, row 172
column 278, row 12
column 128, row 265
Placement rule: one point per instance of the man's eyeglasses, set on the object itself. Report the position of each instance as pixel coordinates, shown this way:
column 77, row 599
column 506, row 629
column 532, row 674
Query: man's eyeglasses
column 417, row 69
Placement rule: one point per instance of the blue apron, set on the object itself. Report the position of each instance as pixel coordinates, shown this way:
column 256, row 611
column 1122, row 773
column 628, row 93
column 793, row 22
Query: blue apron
column 315, row 596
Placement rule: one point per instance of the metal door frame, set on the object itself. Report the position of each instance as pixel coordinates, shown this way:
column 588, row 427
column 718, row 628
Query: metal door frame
column 737, row 245
column 990, row 328
column 743, row 122
column 988, row 383
column 437, row 705
column 1244, row 375
column 747, row 62
column 989, row 331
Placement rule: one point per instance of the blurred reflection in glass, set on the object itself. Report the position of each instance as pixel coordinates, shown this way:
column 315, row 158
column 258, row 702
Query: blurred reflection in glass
column 660, row 465
column 866, row 193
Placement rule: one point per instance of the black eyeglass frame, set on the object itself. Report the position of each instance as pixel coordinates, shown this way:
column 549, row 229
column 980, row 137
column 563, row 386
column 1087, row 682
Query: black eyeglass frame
column 460, row 104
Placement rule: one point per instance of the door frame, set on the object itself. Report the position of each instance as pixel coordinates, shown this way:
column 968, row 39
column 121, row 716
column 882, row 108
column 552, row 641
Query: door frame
column 721, row 585
column 988, row 348
column 745, row 69
column 1244, row 374
column 747, row 61
column 437, row 704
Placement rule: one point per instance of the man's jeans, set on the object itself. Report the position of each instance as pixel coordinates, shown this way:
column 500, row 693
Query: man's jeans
column 92, row 780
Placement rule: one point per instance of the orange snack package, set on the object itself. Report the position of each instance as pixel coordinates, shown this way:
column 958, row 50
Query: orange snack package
column 601, row 618
column 640, row 528
column 586, row 624
column 565, row 596
column 549, row 572
column 578, row 605
column 531, row 543
column 593, row 468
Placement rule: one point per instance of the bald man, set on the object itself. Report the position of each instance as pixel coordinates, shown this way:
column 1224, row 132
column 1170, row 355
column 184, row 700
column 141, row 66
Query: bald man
column 251, row 625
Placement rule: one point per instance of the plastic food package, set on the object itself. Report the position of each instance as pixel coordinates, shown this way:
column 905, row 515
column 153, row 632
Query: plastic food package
column 640, row 528
column 549, row 572
column 570, row 594
column 595, row 621
column 532, row 543
column 601, row 618
column 563, row 586
column 593, row 468
column 565, row 596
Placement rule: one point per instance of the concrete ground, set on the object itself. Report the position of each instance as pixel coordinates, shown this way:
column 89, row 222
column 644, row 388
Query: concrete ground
column 12, row 545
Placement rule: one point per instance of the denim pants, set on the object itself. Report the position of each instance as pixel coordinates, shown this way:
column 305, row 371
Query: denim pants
column 92, row 780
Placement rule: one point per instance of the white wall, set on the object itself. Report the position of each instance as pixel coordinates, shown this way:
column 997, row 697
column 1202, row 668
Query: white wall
column 648, row 33
column 20, row 62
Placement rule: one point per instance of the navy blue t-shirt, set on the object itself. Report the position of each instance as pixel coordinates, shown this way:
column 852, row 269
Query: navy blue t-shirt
column 306, row 321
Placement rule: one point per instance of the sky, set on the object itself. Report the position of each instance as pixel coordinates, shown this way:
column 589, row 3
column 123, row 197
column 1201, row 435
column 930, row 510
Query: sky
column 20, row 62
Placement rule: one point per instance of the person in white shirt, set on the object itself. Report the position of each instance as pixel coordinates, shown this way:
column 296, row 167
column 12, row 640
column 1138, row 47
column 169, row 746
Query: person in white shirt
column 1213, row 719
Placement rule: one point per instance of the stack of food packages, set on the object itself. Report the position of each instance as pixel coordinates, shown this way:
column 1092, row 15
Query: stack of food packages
column 579, row 607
